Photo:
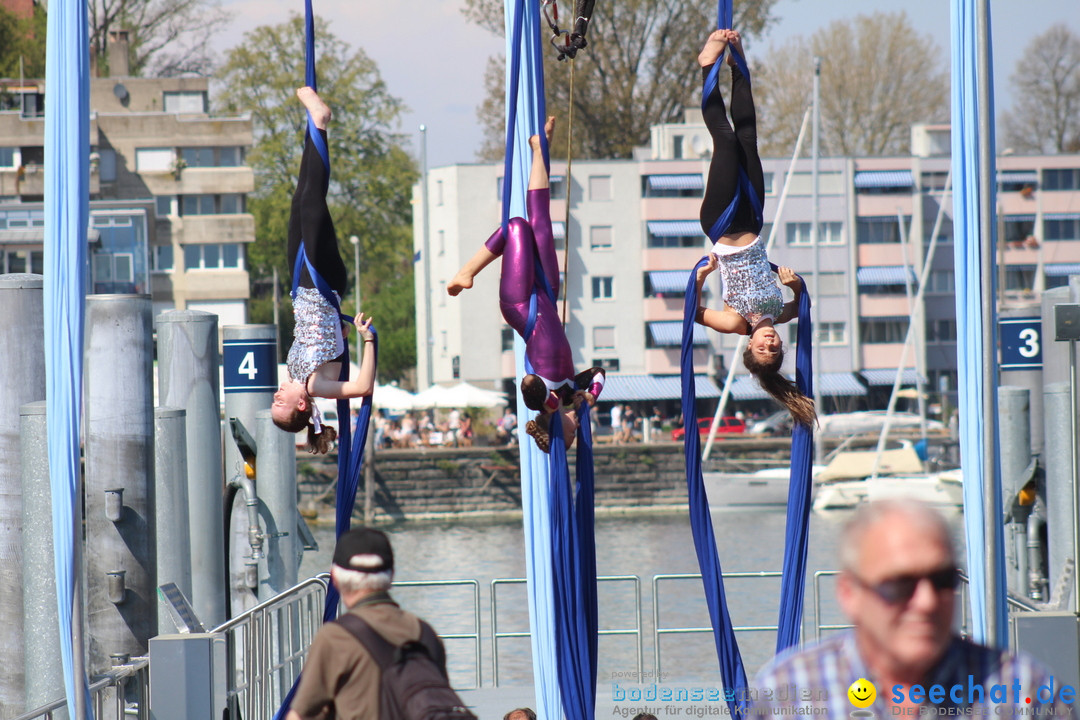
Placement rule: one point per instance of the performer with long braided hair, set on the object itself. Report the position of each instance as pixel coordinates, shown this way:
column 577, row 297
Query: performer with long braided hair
column 528, row 257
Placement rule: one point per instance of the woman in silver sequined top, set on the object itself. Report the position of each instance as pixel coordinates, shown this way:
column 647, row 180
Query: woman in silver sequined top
column 753, row 301
column 314, row 360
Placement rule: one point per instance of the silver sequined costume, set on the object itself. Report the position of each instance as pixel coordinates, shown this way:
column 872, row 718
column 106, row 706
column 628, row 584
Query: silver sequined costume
column 750, row 288
column 317, row 335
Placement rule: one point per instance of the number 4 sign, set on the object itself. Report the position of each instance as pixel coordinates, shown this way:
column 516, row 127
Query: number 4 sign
column 1021, row 343
column 250, row 366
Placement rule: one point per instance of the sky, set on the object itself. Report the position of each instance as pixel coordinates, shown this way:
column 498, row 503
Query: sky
column 432, row 58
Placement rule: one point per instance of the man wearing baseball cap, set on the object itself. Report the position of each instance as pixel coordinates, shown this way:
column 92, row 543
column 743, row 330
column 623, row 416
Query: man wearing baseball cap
column 339, row 673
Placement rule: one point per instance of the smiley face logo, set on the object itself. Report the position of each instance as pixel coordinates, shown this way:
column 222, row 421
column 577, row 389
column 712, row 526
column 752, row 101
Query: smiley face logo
column 862, row 693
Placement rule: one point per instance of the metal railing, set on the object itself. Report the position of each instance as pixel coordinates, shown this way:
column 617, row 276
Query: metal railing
column 267, row 646
column 659, row 630
column 122, row 692
column 635, row 631
column 475, row 634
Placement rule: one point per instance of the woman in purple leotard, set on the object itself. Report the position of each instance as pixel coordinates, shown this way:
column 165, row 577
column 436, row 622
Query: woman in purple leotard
column 526, row 247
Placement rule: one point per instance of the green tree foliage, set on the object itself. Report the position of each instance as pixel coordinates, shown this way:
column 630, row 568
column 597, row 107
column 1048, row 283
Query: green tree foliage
column 166, row 37
column 1045, row 117
column 372, row 175
column 22, row 39
column 878, row 76
column 640, row 69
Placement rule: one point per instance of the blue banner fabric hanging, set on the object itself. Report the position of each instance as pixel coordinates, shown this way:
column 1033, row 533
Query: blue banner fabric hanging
column 977, row 427
column 67, row 214
column 727, row 648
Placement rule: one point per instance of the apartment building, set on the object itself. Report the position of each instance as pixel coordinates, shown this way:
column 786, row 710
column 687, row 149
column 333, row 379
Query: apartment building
column 168, row 188
column 634, row 235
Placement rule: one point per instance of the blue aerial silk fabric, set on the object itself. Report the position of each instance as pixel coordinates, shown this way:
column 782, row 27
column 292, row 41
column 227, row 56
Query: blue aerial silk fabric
column 350, row 444
column 524, row 118
column 976, row 427
column 67, row 213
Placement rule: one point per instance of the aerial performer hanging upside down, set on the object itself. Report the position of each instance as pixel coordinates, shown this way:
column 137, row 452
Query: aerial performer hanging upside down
column 315, row 358
column 528, row 257
column 753, row 301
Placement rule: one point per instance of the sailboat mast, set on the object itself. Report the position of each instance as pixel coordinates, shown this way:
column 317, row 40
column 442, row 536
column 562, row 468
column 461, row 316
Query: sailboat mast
column 815, row 235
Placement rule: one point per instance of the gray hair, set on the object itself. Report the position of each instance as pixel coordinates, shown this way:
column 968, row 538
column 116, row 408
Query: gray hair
column 355, row 580
column 870, row 514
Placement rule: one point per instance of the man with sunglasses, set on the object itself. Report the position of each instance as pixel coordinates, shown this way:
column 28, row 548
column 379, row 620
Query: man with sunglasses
column 897, row 587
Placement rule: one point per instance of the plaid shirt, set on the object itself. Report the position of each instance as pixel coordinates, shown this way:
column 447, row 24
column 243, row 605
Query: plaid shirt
column 816, row 680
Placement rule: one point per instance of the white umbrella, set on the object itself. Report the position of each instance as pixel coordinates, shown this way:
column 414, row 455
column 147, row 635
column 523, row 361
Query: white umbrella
column 429, row 398
column 391, row 397
column 465, row 395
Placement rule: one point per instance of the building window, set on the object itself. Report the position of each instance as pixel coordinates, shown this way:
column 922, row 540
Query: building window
column 934, row 181
column 1068, row 229
column 163, row 205
column 677, row 147
column 508, row 339
column 438, row 192
column 769, row 179
column 941, row 330
column 212, row 256
column 600, row 237
column 876, row 331
column 162, row 258
column 599, row 188
column 832, row 283
column 107, row 165
column 603, row 338
column 1061, row 179
column 23, row 261
column 7, row 157
column 941, row 281
column 185, row 102
column 832, row 333
column 195, row 157
column 673, row 185
column 441, row 241
column 675, row 234
column 875, row 230
column 603, row 288
column 1018, row 228
column 830, row 233
column 1020, row 278
column 154, row 159
column 945, row 232
column 557, row 187
column 226, row 204
column 608, row 364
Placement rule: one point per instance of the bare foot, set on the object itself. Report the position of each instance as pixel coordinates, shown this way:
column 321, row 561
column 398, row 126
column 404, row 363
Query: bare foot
column 461, row 281
column 736, row 45
column 549, row 128
column 714, row 48
column 320, row 111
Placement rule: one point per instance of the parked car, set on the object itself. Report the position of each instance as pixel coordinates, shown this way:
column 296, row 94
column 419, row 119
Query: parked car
column 728, row 424
column 779, row 423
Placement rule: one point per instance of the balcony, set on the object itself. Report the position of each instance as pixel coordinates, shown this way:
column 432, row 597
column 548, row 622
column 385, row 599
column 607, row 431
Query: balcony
column 204, row 229
column 31, row 181
column 201, row 181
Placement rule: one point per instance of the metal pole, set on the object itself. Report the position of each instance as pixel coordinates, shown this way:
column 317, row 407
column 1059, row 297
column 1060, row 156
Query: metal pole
column 44, row 675
column 1058, row 453
column 429, row 339
column 356, row 291
column 173, row 537
column 369, row 479
column 815, row 239
column 275, row 479
column 121, row 597
column 1074, row 476
column 188, row 363
column 991, row 506
column 1015, row 407
column 22, row 369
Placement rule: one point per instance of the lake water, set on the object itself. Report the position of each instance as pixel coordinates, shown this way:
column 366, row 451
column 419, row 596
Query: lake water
column 642, row 545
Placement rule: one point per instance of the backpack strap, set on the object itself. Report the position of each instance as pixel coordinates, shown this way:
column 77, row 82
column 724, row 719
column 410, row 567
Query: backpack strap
column 382, row 651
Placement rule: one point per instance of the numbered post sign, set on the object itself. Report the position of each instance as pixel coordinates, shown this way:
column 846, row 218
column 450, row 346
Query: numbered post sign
column 250, row 366
column 1021, row 343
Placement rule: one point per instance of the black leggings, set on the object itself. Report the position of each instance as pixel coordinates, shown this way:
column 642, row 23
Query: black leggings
column 310, row 223
column 732, row 149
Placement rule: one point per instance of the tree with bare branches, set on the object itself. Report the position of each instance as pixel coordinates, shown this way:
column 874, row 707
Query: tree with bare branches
column 166, row 37
column 638, row 70
column 878, row 77
column 1045, row 117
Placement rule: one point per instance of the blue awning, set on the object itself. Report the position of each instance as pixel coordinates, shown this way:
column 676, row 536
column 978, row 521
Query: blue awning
column 884, row 275
column 556, row 179
column 1019, row 218
column 669, row 281
column 676, row 182
column 674, row 228
column 1018, row 177
column 669, row 333
column 836, row 384
column 558, row 229
column 627, row 388
column 1062, row 269
column 884, row 179
column 1061, row 216
column 877, row 378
